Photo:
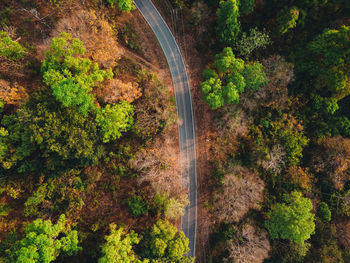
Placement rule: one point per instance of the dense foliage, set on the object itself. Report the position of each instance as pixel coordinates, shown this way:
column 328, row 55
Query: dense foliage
column 124, row 5
column 10, row 49
column 228, row 77
column 44, row 241
column 71, row 76
column 292, row 219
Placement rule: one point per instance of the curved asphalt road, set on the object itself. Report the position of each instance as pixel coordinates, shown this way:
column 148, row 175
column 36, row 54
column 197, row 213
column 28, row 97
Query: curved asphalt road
column 184, row 111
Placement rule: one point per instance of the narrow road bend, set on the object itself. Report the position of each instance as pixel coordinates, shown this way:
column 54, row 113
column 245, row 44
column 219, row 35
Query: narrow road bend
column 184, row 107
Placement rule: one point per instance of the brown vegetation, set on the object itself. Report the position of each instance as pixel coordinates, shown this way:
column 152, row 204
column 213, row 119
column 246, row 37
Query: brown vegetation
column 12, row 94
column 252, row 246
column 333, row 158
column 242, row 190
column 275, row 94
column 343, row 233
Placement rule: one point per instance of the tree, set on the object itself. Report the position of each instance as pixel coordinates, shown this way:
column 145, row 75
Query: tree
column 332, row 158
column 241, row 191
column 124, row 5
column 44, row 241
column 323, row 212
column 119, row 247
column 228, row 77
column 326, row 60
column 172, row 207
column 10, row 49
column 287, row 19
column 292, row 219
column 249, row 245
column 137, row 206
column 254, row 76
column 277, row 128
column 228, row 26
column 246, row 6
column 248, row 43
column 70, row 76
column 165, row 243
column 43, row 135
column 115, row 119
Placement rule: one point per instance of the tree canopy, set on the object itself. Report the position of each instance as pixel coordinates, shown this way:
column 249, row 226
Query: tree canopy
column 10, row 49
column 292, row 219
column 326, row 60
column 71, row 76
column 44, row 241
column 124, row 5
column 228, row 26
column 230, row 76
column 42, row 133
column 115, row 119
column 119, row 247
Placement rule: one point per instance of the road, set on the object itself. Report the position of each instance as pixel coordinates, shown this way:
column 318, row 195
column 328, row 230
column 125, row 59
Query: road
column 187, row 138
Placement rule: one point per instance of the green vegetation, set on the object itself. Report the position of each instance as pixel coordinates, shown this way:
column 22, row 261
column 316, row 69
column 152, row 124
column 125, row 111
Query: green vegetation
column 10, row 49
column 118, row 246
column 124, row 5
column 44, row 241
column 326, row 61
column 165, row 243
column 114, row 120
column 230, row 76
column 87, row 131
column 292, row 219
column 228, row 26
column 324, row 213
column 71, row 76
column 287, row 19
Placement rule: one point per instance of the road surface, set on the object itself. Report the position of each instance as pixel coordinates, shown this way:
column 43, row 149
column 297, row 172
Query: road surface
column 184, row 111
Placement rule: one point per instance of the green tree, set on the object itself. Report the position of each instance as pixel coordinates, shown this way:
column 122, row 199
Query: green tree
column 115, row 119
column 44, row 241
column 124, row 5
column 137, row 206
column 287, row 19
column 165, row 244
column 43, row 135
column 119, row 247
column 278, row 128
column 254, row 76
column 292, row 219
column 10, row 49
column 246, row 6
column 3, row 146
column 228, row 77
column 326, row 60
column 228, row 26
column 324, row 213
column 248, row 43
column 71, row 76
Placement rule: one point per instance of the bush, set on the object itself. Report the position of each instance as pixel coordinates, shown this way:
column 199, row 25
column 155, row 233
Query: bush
column 115, row 119
column 137, row 206
column 124, row 5
column 323, row 212
column 10, row 49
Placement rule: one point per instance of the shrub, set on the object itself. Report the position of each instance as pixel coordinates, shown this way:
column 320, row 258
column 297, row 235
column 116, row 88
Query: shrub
column 323, row 212
column 10, row 49
column 137, row 206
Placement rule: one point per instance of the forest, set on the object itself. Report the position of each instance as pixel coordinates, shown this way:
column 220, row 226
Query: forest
column 89, row 149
